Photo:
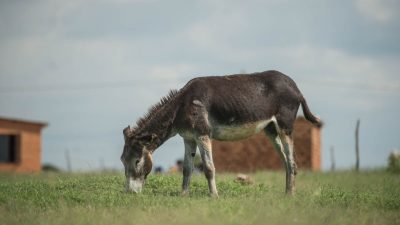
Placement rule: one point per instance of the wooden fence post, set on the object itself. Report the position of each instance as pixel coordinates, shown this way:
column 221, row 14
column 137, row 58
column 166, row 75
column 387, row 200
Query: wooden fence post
column 68, row 159
column 332, row 159
column 357, row 146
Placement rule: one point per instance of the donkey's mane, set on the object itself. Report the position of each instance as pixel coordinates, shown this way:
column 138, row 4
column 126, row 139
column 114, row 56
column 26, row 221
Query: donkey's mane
column 141, row 122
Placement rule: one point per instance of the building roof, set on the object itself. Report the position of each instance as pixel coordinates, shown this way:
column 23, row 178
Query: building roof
column 23, row 121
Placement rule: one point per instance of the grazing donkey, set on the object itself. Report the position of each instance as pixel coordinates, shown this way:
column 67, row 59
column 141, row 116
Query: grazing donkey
column 223, row 108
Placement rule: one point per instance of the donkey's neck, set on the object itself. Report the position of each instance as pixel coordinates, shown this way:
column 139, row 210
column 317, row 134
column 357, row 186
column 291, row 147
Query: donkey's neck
column 160, row 118
column 161, row 124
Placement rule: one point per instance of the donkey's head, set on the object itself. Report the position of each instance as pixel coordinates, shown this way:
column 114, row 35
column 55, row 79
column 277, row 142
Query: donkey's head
column 137, row 159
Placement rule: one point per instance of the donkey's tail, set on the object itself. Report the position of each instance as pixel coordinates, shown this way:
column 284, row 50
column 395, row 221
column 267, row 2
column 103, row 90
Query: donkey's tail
column 308, row 115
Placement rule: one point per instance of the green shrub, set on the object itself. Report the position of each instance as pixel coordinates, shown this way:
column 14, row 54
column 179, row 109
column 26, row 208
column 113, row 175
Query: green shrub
column 394, row 162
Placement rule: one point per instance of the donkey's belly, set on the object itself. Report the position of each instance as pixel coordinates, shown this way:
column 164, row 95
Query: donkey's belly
column 238, row 132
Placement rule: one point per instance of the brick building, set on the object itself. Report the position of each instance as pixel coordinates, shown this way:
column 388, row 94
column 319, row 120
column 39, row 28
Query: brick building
column 20, row 145
column 257, row 153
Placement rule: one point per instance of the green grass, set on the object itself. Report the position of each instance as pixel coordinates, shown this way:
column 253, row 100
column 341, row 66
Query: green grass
column 371, row 197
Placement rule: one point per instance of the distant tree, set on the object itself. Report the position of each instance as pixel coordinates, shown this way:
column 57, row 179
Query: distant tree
column 50, row 168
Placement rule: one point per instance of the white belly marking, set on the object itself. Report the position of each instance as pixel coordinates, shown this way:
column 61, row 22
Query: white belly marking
column 237, row 132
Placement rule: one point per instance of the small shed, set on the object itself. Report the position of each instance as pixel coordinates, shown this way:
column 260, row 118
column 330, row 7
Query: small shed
column 257, row 153
column 20, row 145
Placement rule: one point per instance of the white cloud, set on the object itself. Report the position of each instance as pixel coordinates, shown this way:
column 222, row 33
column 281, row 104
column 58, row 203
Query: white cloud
column 379, row 10
column 338, row 67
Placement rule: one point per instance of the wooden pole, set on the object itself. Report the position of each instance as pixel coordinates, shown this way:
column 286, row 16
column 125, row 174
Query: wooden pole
column 332, row 159
column 67, row 158
column 357, row 146
column 102, row 164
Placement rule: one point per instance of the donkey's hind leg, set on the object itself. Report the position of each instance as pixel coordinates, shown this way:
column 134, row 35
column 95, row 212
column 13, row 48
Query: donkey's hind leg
column 188, row 161
column 287, row 142
column 284, row 147
column 205, row 149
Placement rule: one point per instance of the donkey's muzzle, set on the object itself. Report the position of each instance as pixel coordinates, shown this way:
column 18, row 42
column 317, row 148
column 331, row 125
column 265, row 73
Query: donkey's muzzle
column 134, row 185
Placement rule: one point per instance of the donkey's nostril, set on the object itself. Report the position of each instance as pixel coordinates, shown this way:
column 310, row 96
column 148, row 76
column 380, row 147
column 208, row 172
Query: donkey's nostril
column 137, row 162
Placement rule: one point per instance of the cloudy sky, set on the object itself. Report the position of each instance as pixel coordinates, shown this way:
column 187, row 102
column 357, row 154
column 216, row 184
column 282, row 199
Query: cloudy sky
column 90, row 68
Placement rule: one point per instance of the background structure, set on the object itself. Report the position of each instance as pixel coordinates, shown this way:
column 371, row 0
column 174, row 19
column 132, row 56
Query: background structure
column 20, row 145
column 257, row 153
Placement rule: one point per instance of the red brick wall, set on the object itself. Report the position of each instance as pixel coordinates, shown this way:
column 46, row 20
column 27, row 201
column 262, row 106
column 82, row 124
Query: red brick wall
column 257, row 153
column 28, row 145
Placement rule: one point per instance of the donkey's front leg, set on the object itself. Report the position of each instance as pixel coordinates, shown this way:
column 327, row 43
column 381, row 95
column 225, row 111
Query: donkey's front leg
column 188, row 161
column 205, row 149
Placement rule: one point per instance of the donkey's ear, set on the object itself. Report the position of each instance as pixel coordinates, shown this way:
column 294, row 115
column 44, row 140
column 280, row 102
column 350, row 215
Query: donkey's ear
column 148, row 138
column 127, row 132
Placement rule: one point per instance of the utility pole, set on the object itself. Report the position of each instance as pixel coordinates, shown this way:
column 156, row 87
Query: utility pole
column 102, row 164
column 333, row 164
column 357, row 146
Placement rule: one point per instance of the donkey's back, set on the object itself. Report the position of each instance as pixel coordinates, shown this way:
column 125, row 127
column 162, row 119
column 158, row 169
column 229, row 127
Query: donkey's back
column 242, row 101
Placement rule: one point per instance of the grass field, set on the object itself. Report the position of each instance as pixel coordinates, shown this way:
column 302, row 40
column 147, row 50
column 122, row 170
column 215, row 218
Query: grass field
column 371, row 197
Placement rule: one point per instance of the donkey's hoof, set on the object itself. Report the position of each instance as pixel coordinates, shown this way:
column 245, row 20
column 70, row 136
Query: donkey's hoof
column 214, row 195
column 185, row 193
column 290, row 192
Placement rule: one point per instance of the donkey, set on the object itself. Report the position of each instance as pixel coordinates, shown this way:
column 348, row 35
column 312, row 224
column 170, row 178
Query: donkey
column 225, row 108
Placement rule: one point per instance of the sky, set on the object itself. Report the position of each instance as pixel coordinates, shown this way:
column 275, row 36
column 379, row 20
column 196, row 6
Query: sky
column 91, row 68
